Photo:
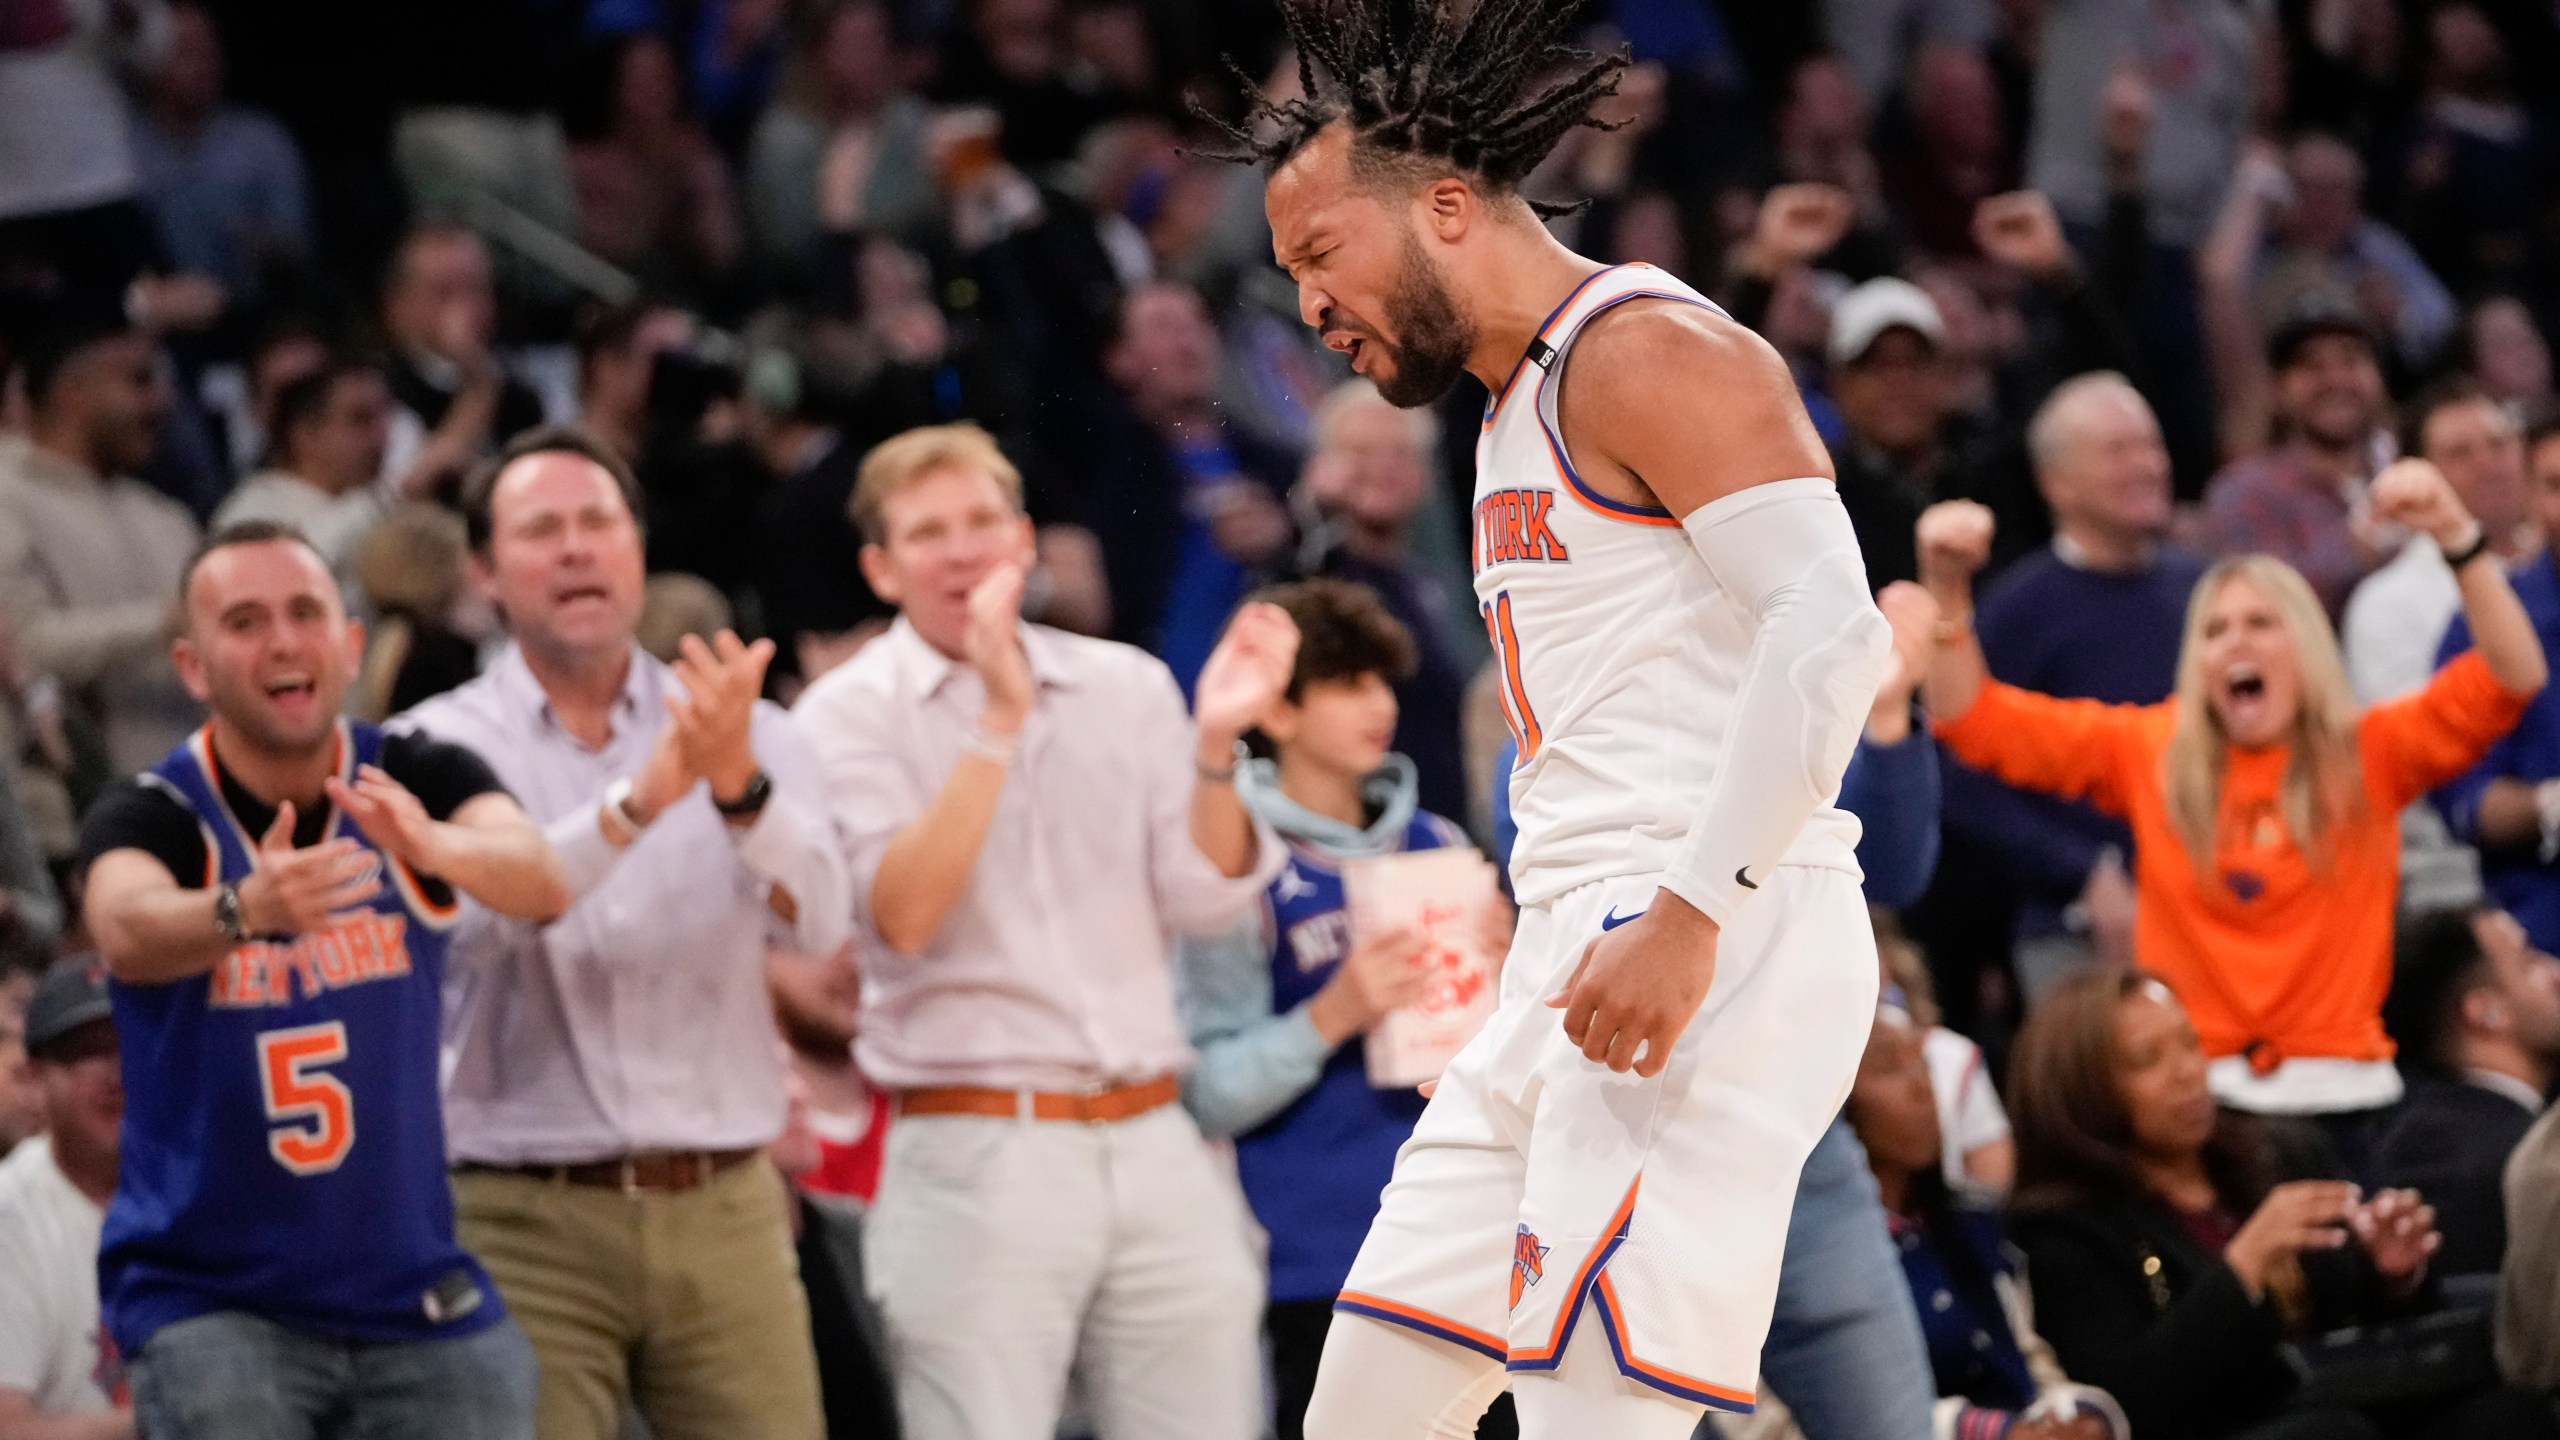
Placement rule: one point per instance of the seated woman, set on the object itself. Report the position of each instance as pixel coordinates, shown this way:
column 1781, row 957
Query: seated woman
column 2264, row 806
column 2170, row 1267
column 1995, row 1375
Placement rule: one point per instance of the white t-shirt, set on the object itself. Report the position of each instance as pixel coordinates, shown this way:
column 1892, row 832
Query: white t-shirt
column 52, row 1345
column 1969, row 1113
column 2395, row 620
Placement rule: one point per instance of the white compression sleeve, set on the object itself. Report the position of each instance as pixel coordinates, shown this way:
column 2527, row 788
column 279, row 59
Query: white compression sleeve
column 1785, row 553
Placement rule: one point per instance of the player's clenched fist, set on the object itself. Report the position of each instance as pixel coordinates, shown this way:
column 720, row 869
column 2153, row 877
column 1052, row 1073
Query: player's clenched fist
column 1638, row 986
column 291, row 891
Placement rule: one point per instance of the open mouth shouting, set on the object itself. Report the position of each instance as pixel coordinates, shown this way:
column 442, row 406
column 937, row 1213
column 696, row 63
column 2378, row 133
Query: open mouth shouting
column 581, row 592
column 294, row 691
column 2246, row 701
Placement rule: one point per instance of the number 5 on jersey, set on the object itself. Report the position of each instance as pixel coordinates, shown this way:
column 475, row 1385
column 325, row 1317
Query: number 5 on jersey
column 315, row 1113
column 1515, row 695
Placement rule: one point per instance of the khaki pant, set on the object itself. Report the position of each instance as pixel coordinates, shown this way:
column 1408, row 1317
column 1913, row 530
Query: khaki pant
column 1006, row 1253
column 686, row 1305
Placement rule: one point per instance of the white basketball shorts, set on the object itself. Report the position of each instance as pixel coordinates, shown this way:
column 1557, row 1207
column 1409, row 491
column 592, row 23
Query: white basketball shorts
column 1539, row 1185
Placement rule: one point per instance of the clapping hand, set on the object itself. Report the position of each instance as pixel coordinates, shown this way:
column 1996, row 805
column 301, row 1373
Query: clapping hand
column 2297, row 1216
column 993, row 647
column 2398, row 1232
column 714, row 713
column 392, row 818
column 1247, row 672
column 291, row 891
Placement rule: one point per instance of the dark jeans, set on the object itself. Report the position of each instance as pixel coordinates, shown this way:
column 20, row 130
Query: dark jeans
column 235, row 1376
column 1844, row 1348
column 1296, row 1329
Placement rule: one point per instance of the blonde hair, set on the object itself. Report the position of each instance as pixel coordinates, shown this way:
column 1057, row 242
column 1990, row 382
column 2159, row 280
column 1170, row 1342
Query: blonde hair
column 2321, row 786
column 412, row 562
column 901, row 460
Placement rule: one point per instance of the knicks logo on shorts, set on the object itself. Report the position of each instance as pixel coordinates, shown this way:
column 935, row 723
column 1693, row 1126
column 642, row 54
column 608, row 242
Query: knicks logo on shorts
column 1528, row 1263
column 1512, row 525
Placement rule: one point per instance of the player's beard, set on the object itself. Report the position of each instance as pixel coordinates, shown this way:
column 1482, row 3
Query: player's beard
column 1432, row 340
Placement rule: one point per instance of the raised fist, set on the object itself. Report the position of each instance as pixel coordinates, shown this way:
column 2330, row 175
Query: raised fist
column 1954, row 540
column 1796, row 223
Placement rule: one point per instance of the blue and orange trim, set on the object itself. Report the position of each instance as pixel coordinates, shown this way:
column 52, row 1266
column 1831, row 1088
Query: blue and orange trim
column 1591, row 499
column 1375, row 1307
column 1544, row 1357
column 413, row 893
column 341, row 763
column 1613, row 1323
column 1590, row 1283
column 1495, row 403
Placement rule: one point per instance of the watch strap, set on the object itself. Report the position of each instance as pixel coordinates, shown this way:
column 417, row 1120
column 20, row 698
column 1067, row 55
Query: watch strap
column 2479, row 546
column 614, row 816
column 226, row 913
column 750, row 801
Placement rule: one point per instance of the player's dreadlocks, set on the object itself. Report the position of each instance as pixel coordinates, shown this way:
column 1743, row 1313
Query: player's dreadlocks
column 1428, row 82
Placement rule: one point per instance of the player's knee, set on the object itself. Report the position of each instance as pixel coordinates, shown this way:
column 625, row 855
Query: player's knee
column 1384, row 1382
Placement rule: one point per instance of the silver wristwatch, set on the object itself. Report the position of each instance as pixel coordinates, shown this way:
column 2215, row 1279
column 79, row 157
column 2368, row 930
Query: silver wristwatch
column 226, row 913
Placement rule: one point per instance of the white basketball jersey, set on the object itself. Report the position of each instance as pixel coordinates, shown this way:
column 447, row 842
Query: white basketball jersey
column 1620, row 656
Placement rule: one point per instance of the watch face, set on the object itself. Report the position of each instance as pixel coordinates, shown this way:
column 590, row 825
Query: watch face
column 750, row 800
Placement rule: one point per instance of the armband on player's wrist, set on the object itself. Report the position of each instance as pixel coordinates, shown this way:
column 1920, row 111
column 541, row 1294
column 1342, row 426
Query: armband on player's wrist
column 1716, row 901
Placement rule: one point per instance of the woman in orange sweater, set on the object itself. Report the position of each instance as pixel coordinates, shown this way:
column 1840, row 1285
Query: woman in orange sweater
column 2264, row 806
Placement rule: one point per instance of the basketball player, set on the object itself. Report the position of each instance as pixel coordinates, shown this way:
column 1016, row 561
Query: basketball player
column 1596, row 1200
column 272, row 902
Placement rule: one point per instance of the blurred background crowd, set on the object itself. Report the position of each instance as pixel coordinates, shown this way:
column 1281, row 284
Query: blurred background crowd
column 2150, row 282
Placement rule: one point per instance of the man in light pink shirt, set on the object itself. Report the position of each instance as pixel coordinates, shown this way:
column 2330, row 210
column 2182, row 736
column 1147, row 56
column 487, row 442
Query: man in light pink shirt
column 1031, row 818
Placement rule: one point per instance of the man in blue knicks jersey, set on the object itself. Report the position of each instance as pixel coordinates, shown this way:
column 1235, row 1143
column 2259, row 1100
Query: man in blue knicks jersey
column 272, row 902
column 1593, row 1207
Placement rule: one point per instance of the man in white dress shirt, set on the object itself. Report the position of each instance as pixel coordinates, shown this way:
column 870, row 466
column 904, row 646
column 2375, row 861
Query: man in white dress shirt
column 613, row 1075
column 1031, row 817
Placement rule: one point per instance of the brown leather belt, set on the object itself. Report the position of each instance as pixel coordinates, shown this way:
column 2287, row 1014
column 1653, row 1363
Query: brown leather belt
column 655, row 1172
column 1097, row 1107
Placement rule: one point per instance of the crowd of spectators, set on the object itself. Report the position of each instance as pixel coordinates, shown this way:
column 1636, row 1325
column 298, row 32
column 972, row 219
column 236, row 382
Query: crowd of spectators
column 2183, row 366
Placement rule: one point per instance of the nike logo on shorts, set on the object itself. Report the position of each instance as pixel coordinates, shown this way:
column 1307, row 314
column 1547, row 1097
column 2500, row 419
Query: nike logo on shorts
column 1613, row 919
column 1742, row 877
